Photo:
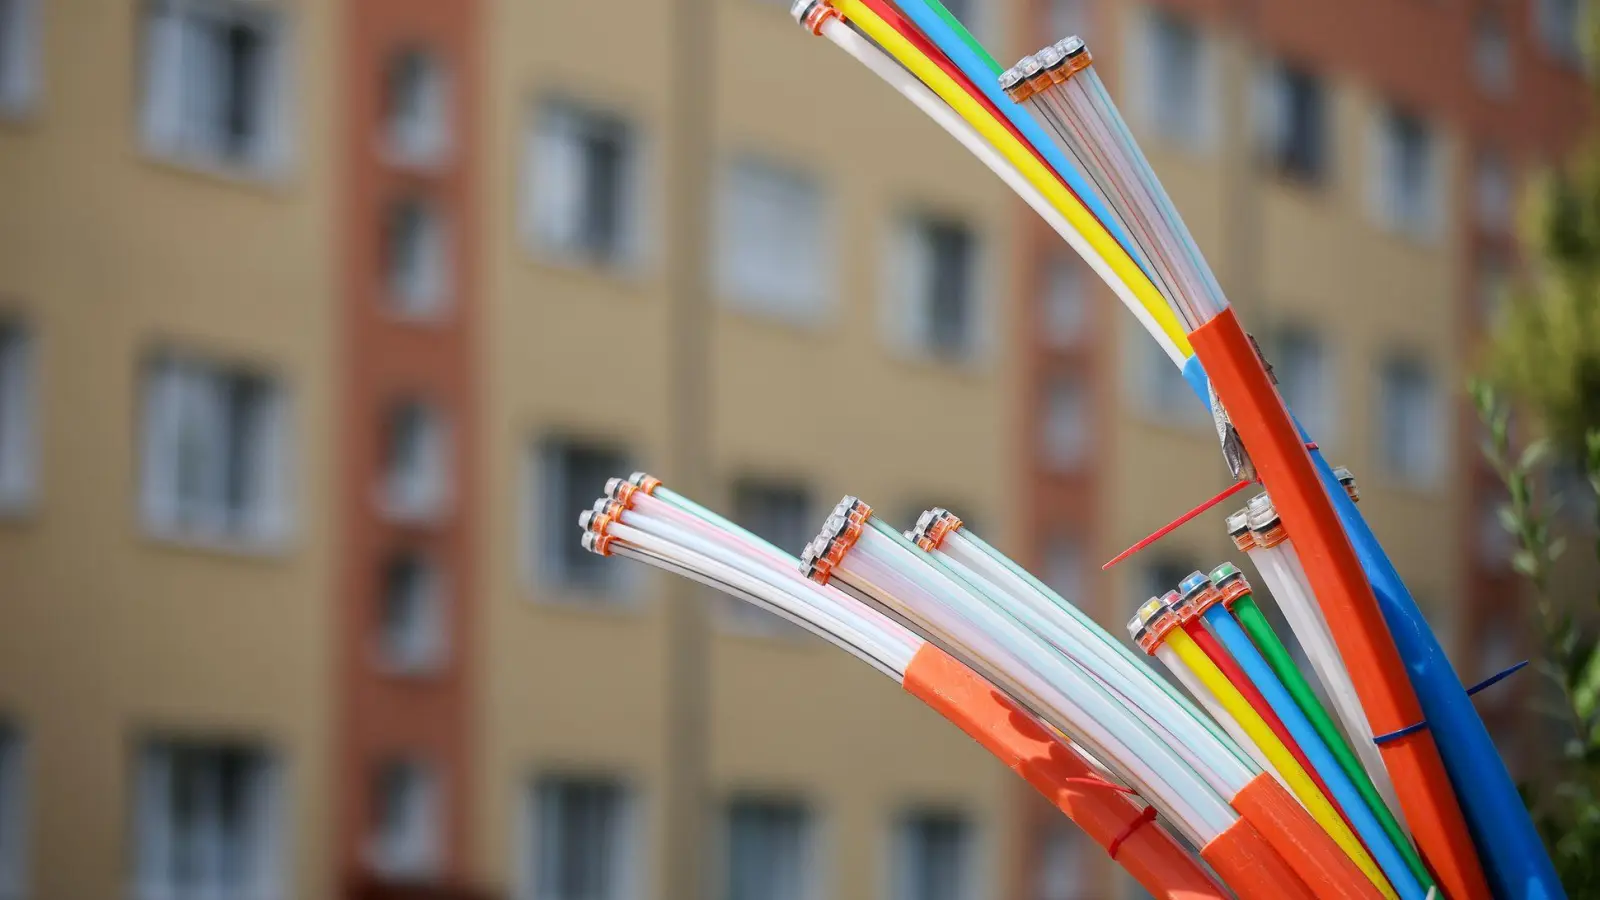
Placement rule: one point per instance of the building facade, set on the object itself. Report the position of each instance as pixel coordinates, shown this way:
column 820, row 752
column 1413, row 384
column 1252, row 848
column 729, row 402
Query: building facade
column 320, row 322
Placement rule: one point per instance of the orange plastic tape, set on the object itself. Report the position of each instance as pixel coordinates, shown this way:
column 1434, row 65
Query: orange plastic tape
column 1346, row 598
column 1297, row 837
column 980, row 709
column 1252, row 868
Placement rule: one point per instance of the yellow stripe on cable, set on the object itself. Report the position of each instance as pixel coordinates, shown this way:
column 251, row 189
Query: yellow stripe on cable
column 879, row 63
column 1028, row 165
column 1299, row 782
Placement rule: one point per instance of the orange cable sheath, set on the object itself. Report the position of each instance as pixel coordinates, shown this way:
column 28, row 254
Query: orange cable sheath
column 1253, row 869
column 1286, row 825
column 1345, row 596
column 1055, row 770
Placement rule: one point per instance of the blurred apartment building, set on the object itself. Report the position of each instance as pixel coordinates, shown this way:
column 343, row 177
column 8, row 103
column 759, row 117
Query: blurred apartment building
column 320, row 322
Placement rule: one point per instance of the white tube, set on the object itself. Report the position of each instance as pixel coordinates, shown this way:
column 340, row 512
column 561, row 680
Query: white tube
column 936, row 109
column 1212, row 761
column 1205, row 698
column 883, row 639
column 1073, row 702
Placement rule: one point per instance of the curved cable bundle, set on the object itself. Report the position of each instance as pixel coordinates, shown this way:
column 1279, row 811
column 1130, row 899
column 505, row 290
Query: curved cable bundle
column 640, row 519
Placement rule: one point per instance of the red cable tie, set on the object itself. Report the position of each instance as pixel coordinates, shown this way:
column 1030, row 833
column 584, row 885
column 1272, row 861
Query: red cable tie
column 1145, row 818
column 1174, row 525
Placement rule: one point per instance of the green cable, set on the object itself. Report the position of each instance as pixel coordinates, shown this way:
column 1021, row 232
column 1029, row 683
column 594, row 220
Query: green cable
column 1266, row 640
column 962, row 33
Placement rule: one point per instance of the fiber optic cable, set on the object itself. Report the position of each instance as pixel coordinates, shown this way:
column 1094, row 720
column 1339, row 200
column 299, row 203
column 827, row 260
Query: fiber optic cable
column 944, row 537
column 954, row 42
column 1348, row 872
column 1103, row 246
column 1334, row 782
column 665, row 535
column 1275, row 558
column 925, row 100
column 1184, row 606
column 1322, row 810
column 1237, row 597
column 863, row 556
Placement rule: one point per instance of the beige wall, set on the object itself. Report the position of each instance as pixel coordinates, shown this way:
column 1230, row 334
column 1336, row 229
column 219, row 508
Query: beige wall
column 108, row 635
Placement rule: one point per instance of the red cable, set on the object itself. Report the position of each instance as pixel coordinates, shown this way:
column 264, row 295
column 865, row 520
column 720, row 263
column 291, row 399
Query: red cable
column 1230, row 669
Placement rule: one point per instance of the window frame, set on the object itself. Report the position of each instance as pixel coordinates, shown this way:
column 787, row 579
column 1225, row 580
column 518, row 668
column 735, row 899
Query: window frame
column 809, row 885
column 397, row 654
column 22, row 63
column 811, row 240
column 539, row 225
column 19, row 418
column 166, row 131
column 547, row 529
column 626, row 867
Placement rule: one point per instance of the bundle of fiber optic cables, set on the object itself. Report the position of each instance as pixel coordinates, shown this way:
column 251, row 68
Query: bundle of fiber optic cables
column 1398, row 792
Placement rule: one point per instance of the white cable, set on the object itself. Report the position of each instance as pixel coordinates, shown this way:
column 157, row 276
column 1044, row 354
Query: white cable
column 937, row 110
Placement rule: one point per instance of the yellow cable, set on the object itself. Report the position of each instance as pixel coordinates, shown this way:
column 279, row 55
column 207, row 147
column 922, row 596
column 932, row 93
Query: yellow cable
column 1262, row 734
column 1026, row 163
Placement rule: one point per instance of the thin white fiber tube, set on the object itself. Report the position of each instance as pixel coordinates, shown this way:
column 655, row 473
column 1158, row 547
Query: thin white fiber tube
column 1073, row 702
column 883, row 640
column 924, row 99
column 625, row 551
column 1162, row 698
column 1205, row 698
column 1280, row 567
column 1213, row 762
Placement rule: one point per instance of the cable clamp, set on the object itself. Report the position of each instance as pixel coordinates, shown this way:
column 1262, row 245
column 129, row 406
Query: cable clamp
column 1489, row 682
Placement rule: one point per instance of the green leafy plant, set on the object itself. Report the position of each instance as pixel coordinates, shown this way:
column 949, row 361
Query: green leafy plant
column 1566, row 801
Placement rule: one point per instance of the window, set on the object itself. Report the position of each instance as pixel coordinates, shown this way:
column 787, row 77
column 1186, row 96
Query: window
column 1491, row 54
column 1064, row 426
column 417, row 259
column 933, row 289
column 571, row 475
column 1175, row 81
column 772, row 243
column 1411, row 428
column 1158, row 388
column 1065, row 309
column 1406, row 183
column 768, row 853
column 1291, row 122
column 416, row 475
column 1493, row 289
column 1067, row 17
column 582, row 183
column 215, row 452
column 1301, row 367
column 1162, row 575
column 20, row 45
column 934, row 857
column 784, row 514
column 18, row 429
column 405, row 825
column 1063, row 567
column 411, row 615
column 581, row 837
column 206, row 822
column 13, row 812
column 1492, row 193
column 212, row 82
column 1560, row 26
column 416, row 108
column 1062, row 866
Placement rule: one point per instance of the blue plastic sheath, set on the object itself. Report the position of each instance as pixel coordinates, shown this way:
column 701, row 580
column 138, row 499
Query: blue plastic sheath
column 944, row 37
column 1513, row 857
column 1305, row 734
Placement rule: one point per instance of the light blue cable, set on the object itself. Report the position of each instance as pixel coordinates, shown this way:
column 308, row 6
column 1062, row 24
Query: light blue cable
column 937, row 30
column 1344, row 792
column 1513, row 857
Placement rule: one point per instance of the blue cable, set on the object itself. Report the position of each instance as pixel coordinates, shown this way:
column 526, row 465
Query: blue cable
column 1300, row 728
column 944, row 37
column 1513, row 857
